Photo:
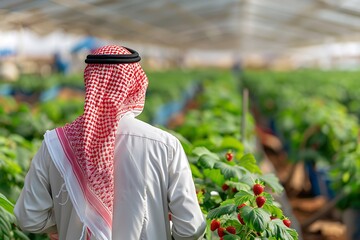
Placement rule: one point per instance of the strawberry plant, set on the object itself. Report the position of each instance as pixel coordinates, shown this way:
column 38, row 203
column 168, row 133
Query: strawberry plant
column 315, row 123
column 345, row 176
column 248, row 213
column 229, row 184
column 243, row 217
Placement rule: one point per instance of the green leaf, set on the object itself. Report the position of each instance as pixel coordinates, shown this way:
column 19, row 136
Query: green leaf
column 231, row 237
column 242, row 197
column 195, row 171
column 273, row 210
column 20, row 235
column 269, row 198
column 222, row 210
column 248, row 161
column 215, row 176
column 238, row 185
column 247, row 178
column 5, row 225
column 207, row 161
column 256, row 218
column 228, row 171
column 231, row 142
column 271, row 180
column 280, row 231
column 227, row 202
column 199, row 151
column 6, row 204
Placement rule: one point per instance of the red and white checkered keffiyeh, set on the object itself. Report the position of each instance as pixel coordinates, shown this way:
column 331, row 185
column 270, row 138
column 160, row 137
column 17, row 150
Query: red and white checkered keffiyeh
column 111, row 91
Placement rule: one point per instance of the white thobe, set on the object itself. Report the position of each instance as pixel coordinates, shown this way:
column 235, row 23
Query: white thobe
column 147, row 160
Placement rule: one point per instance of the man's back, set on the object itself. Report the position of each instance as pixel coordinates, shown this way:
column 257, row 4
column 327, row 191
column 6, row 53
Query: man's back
column 152, row 178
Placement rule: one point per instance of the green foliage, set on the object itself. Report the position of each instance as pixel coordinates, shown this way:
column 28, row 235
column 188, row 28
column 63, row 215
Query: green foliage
column 22, row 121
column 15, row 155
column 345, row 175
column 317, row 115
column 62, row 111
column 222, row 185
column 221, row 210
column 8, row 229
column 6, row 204
column 258, row 222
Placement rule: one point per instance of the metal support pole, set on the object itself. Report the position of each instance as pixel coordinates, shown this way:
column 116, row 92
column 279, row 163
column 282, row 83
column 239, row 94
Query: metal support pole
column 245, row 100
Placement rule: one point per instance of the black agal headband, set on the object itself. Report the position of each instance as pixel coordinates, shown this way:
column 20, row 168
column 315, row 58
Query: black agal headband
column 114, row 58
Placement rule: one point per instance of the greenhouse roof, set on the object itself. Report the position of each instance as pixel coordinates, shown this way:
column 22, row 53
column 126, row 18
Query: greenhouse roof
column 244, row 25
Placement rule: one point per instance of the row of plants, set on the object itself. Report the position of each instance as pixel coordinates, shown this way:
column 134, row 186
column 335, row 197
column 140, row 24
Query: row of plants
column 233, row 192
column 316, row 114
column 164, row 87
column 224, row 168
column 339, row 86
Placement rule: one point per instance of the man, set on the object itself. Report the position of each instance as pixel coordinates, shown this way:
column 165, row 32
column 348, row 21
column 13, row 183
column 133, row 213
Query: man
column 108, row 175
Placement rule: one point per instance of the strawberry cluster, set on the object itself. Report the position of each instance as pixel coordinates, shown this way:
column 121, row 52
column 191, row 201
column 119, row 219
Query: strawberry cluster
column 221, row 231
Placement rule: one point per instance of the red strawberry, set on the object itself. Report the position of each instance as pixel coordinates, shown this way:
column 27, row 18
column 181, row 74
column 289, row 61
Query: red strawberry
column 287, row 222
column 258, row 189
column 260, row 201
column 221, row 231
column 241, row 220
column 225, row 187
column 231, row 229
column 240, row 206
column 229, row 156
column 215, row 224
column 273, row 217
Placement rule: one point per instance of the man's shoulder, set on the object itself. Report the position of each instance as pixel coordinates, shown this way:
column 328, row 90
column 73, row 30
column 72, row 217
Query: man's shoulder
column 134, row 127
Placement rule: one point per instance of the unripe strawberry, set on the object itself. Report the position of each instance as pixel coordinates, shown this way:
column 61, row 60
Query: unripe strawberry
column 215, row 224
column 258, row 189
column 221, row 231
column 231, row 229
column 229, row 156
column 260, row 201
column 287, row 222
column 225, row 187
column 241, row 220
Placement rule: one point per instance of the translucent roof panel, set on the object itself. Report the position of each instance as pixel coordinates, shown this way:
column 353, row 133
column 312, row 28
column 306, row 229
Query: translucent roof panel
column 244, row 25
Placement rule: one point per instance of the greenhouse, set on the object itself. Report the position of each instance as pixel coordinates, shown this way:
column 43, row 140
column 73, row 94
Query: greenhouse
column 230, row 119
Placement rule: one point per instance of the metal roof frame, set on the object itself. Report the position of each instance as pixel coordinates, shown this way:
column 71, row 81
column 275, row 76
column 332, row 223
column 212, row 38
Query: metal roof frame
column 241, row 25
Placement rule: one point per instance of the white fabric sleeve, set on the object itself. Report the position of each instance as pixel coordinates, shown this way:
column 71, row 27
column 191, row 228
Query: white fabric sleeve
column 188, row 220
column 34, row 207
